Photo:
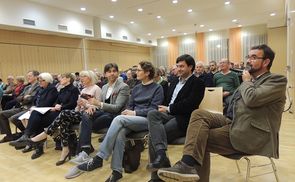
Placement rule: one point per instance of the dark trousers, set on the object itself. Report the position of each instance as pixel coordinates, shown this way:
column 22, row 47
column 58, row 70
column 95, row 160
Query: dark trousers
column 207, row 132
column 4, row 120
column 99, row 120
column 163, row 129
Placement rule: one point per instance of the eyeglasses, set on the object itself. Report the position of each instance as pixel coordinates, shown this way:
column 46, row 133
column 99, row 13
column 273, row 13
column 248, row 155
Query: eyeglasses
column 253, row 57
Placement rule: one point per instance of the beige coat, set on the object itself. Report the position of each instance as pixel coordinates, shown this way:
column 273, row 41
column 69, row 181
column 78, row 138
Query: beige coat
column 257, row 116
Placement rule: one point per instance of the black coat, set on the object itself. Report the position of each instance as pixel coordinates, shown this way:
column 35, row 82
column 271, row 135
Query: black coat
column 46, row 97
column 188, row 99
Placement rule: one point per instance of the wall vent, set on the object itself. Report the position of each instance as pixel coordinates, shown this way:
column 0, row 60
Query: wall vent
column 124, row 37
column 108, row 35
column 29, row 22
column 62, row 27
column 138, row 39
column 150, row 41
column 87, row 31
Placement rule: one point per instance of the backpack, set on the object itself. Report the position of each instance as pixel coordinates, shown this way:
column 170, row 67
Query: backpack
column 132, row 154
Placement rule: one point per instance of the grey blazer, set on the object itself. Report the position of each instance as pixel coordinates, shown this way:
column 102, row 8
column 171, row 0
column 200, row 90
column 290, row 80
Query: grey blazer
column 119, row 97
column 257, row 115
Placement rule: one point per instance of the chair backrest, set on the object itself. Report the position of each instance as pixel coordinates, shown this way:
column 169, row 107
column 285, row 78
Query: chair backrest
column 212, row 100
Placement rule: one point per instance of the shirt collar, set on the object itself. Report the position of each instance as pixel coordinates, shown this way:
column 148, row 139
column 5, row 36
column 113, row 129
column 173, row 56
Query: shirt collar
column 181, row 80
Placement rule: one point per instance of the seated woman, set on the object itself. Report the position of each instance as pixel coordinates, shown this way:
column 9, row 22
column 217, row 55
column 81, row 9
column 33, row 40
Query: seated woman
column 66, row 99
column 114, row 98
column 67, row 118
column 145, row 97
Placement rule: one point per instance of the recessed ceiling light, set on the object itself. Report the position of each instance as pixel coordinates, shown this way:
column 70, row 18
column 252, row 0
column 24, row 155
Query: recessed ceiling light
column 132, row 22
column 189, row 10
column 162, row 37
column 272, row 14
column 83, row 9
column 293, row 11
column 174, row 1
column 240, row 25
column 234, row 20
column 202, row 25
column 173, row 30
column 210, row 30
column 149, row 34
column 184, row 33
column 158, row 16
column 227, row 2
column 111, row 16
column 114, row 0
column 140, row 9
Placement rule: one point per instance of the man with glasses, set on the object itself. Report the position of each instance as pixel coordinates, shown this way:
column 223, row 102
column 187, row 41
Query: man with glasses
column 250, row 126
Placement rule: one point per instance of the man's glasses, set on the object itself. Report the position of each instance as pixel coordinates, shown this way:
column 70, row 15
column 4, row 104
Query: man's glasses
column 253, row 57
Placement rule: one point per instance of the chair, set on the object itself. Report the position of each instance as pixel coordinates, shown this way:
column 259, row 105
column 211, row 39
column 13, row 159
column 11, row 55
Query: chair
column 237, row 157
column 212, row 102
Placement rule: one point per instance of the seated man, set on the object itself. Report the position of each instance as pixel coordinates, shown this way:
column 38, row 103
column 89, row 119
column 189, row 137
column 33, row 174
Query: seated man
column 250, row 126
column 25, row 101
column 114, row 98
column 170, row 121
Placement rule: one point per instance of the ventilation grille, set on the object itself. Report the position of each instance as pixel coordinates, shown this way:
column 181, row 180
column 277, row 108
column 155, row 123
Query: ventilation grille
column 108, row 35
column 29, row 22
column 150, row 41
column 138, row 39
column 124, row 37
column 87, row 31
column 62, row 27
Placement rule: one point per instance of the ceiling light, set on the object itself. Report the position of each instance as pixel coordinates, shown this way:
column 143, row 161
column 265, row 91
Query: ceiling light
column 111, row 16
column 292, row 11
column 189, row 10
column 234, row 20
column 162, row 37
column 202, row 25
column 83, row 9
column 140, row 9
column 184, row 33
column 272, row 14
column 210, row 30
column 158, row 16
column 174, row 1
column 149, row 34
column 218, row 45
column 227, row 2
column 114, row 0
column 240, row 25
column 132, row 22
column 173, row 30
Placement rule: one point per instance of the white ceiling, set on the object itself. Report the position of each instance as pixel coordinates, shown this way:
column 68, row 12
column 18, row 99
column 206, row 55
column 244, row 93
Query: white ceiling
column 214, row 14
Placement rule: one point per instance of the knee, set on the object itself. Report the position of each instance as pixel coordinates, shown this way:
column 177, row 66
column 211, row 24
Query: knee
column 198, row 113
column 118, row 120
column 152, row 113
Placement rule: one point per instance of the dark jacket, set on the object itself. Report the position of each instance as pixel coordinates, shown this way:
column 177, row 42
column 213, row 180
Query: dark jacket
column 187, row 100
column 67, row 97
column 46, row 97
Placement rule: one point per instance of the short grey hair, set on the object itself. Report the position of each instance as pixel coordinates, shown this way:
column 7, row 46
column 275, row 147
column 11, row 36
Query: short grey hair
column 90, row 74
column 47, row 77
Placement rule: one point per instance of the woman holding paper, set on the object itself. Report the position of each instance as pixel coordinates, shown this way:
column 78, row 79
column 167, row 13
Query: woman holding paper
column 67, row 117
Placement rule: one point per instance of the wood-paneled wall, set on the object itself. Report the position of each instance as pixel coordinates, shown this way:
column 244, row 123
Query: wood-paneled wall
column 22, row 51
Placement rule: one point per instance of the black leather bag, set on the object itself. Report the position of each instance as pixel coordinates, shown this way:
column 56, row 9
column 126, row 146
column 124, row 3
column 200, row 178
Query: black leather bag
column 132, row 154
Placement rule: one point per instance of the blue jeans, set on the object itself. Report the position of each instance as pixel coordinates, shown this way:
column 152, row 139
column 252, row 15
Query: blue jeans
column 114, row 142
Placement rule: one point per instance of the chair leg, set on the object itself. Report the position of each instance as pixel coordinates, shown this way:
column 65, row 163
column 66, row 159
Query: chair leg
column 248, row 168
column 274, row 169
column 238, row 167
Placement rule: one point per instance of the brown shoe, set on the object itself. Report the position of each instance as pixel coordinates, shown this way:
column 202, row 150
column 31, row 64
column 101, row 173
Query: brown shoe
column 179, row 172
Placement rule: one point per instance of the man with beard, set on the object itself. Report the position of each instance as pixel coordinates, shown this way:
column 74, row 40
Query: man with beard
column 250, row 126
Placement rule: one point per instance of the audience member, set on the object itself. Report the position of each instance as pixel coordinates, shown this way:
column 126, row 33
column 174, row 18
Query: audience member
column 206, row 77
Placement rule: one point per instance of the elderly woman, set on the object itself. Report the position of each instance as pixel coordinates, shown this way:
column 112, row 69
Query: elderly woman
column 144, row 98
column 67, row 118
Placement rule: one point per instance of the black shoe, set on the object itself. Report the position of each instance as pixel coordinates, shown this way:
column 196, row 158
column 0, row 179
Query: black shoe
column 38, row 152
column 20, row 145
column 159, row 162
column 58, row 163
column 28, row 148
column 95, row 162
column 179, row 172
column 155, row 180
column 6, row 139
column 114, row 177
column 22, row 139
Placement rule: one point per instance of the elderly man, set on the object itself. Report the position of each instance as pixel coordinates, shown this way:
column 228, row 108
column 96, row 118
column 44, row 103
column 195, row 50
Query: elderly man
column 250, row 127
column 206, row 77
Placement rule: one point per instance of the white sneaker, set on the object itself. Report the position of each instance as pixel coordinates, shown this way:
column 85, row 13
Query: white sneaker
column 81, row 158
